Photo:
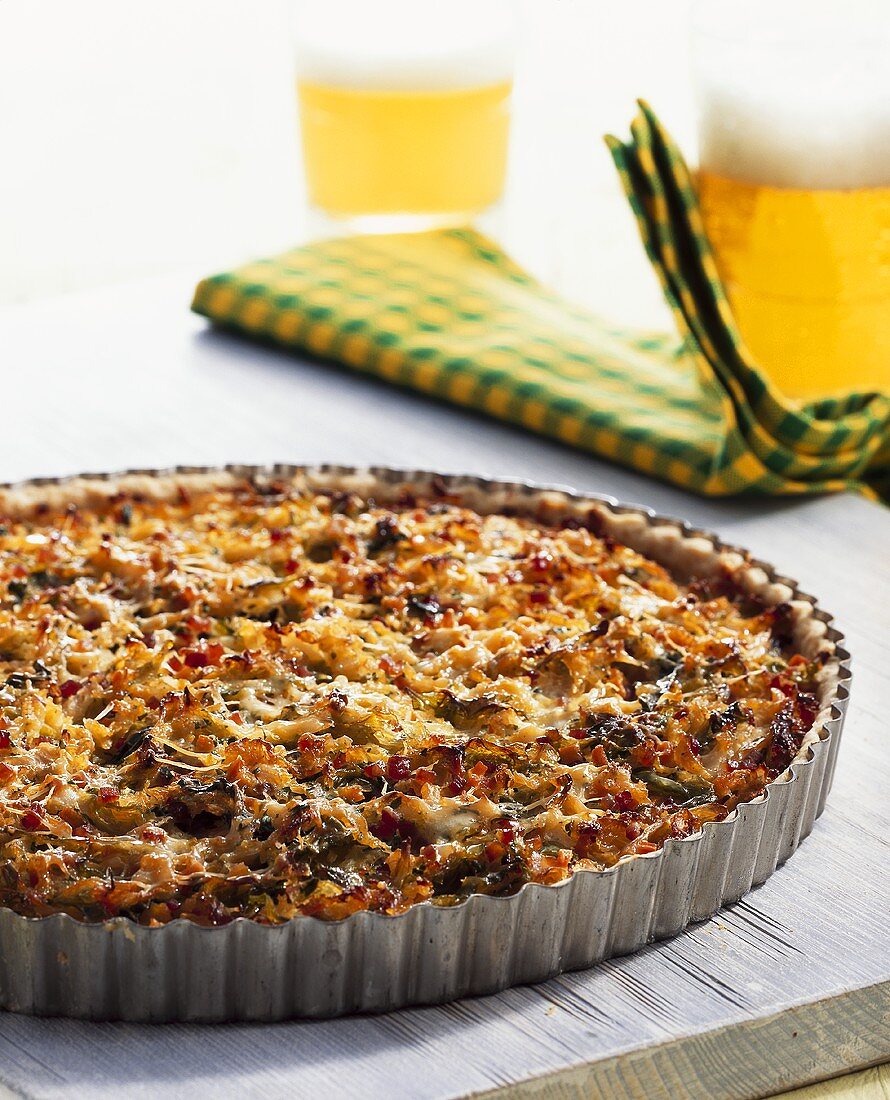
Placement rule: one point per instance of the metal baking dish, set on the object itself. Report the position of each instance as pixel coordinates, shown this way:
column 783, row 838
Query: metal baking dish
column 370, row 962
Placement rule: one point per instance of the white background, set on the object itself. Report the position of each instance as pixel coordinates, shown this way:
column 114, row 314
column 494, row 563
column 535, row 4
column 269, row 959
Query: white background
column 142, row 139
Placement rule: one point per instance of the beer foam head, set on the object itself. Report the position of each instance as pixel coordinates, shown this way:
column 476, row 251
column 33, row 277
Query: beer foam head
column 408, row 45
column 795, row 93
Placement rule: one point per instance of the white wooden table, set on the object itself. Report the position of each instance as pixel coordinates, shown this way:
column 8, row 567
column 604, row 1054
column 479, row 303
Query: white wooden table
column 789, row 986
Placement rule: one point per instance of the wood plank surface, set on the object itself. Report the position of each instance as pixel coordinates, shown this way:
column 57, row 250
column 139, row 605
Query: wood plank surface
column 787, row 987
column 867, row 1084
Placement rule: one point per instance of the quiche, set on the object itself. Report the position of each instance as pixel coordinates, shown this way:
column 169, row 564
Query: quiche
column 228, row 697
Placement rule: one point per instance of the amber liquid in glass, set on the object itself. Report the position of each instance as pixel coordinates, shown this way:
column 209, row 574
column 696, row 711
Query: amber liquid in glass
column 808, row 276
column 371, row 151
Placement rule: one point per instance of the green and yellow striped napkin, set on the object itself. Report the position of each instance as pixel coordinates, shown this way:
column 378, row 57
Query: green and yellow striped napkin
column 448, row 313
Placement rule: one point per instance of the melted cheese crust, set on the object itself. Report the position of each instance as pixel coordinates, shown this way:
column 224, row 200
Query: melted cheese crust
column 262, row 701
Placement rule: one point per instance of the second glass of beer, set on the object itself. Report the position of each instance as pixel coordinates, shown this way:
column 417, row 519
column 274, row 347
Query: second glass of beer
column 404, row 109
column 794, row 182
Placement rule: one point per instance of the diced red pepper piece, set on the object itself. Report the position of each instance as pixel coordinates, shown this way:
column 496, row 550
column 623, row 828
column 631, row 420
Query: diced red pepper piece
column 398, row 768
column 69, row 688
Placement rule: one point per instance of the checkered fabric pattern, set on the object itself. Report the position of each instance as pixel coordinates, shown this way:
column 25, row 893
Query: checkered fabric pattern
column 449, row 314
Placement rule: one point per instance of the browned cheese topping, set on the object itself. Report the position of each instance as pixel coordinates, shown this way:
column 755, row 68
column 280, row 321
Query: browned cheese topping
column 262, row 702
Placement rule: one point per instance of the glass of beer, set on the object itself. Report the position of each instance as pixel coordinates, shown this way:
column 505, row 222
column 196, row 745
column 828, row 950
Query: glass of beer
column 404, row 108
column 794, row 183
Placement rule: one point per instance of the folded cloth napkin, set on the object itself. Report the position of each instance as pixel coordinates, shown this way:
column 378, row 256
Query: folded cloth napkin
column 448, row 313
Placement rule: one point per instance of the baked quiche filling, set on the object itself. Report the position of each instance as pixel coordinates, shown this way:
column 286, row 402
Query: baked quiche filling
column 262, row 701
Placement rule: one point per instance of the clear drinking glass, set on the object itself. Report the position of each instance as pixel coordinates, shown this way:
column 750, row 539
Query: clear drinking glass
column 404, row 108
column 794, row 182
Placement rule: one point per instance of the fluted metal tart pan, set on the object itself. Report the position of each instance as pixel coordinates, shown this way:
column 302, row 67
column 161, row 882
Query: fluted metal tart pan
column 370, row 962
